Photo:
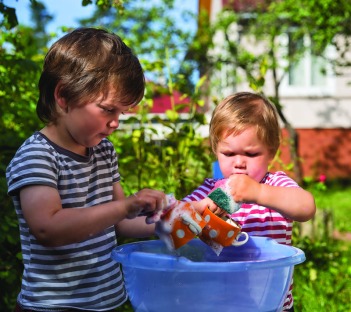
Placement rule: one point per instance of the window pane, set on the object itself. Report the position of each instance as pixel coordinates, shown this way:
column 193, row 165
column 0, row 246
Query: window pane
column 297, row 71
column 318, row 70
column 297, row 74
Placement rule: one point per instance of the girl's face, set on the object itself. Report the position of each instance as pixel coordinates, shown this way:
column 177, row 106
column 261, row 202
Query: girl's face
column 243, row 154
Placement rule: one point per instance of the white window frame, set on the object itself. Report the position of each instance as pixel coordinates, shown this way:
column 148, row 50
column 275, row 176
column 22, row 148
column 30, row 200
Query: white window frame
column 325, row 90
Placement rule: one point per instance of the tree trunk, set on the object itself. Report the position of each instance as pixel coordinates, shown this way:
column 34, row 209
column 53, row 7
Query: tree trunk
column 293, row 148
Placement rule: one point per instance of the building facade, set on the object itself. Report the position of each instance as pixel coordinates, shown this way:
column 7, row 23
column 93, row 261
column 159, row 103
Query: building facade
column 318, row 106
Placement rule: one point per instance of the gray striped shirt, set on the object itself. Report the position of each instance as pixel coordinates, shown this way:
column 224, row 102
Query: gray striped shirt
column 80, row 275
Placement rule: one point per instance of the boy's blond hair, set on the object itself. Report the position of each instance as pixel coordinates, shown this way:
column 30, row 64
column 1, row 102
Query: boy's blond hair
column 242, row 110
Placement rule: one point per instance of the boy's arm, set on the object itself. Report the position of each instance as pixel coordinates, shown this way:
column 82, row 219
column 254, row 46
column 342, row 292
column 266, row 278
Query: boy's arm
column 54, row 226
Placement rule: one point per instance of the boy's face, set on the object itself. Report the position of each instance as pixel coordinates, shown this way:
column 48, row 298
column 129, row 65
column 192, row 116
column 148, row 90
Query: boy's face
column 88, row 124
column 243, row 154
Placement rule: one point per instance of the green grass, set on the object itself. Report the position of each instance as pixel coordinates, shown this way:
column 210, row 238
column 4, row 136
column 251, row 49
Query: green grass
column 337, row 200
column 323, row 281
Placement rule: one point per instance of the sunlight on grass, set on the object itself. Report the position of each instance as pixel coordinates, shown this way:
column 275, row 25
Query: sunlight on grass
column 338, row 201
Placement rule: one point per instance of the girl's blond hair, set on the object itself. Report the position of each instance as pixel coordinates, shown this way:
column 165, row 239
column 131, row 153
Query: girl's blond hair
column 242, row 110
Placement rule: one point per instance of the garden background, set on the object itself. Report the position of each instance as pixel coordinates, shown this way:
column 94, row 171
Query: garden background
column 165, row 151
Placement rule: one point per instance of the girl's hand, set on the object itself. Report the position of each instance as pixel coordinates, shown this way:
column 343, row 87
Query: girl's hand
column 293, row 203
column 243, row 188
column 201, row 205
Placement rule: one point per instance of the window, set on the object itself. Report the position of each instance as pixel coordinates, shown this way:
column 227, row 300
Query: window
column 311, row 75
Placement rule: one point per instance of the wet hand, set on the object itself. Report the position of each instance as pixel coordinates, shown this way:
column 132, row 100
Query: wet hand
column 207, row 203
column 157, row 214
column 145, row 202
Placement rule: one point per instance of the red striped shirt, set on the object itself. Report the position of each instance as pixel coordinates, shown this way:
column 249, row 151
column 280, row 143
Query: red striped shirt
column 258, row 220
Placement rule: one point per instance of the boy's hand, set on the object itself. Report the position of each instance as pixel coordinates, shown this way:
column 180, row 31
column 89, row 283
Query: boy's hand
column 167, row 204
column 146, row 202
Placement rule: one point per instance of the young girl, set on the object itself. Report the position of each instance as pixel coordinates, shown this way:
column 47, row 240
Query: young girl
column 64, row 179
column 245, row 136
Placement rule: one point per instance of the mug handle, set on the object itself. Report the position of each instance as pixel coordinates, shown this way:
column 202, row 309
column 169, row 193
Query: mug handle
column 237, row 243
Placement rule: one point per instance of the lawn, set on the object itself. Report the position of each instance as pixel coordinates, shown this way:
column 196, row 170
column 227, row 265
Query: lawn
column 337, row 200
column 323, row 281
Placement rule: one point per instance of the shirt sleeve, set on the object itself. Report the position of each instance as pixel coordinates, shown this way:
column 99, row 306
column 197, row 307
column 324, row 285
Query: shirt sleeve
column 31, row 165
column 201, row 192
column 280, row 178
column 114, row 164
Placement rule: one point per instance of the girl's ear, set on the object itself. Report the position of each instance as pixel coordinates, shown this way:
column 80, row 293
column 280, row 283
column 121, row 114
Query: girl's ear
column 59, row 99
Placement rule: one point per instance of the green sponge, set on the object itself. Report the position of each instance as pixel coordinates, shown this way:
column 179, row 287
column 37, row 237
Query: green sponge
column 223, row 200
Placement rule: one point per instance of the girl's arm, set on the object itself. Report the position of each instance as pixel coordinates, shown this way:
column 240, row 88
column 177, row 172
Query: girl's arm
column 294, row 203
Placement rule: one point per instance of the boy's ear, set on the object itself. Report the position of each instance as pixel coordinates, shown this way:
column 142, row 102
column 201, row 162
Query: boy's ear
column 59, row 99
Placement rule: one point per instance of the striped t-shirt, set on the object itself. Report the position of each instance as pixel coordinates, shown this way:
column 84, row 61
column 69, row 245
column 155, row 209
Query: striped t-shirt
column 258, row 220
column 80, row 275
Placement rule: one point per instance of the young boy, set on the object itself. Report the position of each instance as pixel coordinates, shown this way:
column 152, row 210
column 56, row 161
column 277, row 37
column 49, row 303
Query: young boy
column 64, row 179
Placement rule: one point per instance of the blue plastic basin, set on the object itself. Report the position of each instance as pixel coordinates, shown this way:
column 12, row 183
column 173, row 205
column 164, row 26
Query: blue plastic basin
column 253, row 277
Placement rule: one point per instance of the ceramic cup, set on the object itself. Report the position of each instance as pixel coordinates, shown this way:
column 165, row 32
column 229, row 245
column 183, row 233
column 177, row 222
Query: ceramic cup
column 180, row 225
column 221, row 232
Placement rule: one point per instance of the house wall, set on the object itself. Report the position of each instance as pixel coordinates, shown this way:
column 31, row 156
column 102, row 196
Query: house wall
column 322, row 152
column 321, row 116
column 323, row 125
column 321, row 113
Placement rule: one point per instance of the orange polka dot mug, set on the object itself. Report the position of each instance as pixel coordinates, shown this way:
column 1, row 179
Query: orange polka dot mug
column 219, row 233
column 180, row 225
column 183, row 223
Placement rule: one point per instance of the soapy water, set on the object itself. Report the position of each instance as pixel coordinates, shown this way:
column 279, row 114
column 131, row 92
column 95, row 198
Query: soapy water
column 164, row 228
column 203, row 254
column 193, row 226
